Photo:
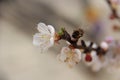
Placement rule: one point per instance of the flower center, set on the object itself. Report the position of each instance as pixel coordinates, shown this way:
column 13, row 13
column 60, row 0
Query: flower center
column 70, row 56
column 45, row 36
column 88, row 58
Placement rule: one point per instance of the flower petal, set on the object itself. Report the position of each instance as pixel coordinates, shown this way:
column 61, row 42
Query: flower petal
column 52, row 41
column 78, row 52
column 51, row 29
column 96, row 67
column 39, row 39
column 42, row 28
column 104, row 45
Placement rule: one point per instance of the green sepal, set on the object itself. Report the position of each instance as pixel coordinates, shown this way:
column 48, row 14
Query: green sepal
column 61, row 32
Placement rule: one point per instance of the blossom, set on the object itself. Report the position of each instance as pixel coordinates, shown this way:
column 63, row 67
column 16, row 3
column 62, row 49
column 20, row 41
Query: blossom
column 113, row 55
column 70, row 56
column 97, row 62
column 91, row 58
column 88, row 55
column 45, row 38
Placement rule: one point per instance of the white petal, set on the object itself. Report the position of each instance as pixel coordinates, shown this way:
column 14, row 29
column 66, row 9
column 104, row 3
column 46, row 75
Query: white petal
column 48, row 44
column 51, row 29
column 36, row 40
column 93, row 53
column 65, row 50
column 39, row 39
column 77, row 51
column 96, row 67
column 87, row 43
column 68, row 43
column 104, row 45
column 36, row 43
column 52, row 41
column 76, row 58
column 94, row 57
column 42, row 28
column 94, row 45
column 62, row 57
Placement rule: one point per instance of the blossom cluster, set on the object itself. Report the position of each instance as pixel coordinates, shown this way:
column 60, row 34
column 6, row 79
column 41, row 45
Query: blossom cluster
column 95, row 56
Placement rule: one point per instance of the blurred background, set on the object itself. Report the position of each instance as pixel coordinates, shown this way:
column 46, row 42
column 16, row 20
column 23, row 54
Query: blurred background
column 20, row 60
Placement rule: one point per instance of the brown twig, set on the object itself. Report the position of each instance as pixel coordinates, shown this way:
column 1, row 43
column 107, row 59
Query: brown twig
column 76, row 35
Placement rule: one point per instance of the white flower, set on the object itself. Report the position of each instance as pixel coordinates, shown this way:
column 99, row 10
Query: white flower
column 113, row 55
column 70, row 56
column 45, row 38
column 96, row 64
column 90, row 56
column 93, row 56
